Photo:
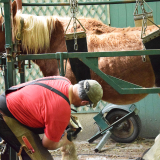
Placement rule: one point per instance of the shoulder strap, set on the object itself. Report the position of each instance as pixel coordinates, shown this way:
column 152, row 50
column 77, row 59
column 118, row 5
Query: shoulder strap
column 15, row 88
column 12, row 89
column 53, row 90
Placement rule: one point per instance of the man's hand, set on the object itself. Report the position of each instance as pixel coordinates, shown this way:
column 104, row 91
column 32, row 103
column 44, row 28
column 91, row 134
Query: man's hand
column 65, row 139
column 51, row 145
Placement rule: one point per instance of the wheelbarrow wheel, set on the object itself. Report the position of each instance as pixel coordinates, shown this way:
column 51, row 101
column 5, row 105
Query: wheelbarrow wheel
column 128, row 130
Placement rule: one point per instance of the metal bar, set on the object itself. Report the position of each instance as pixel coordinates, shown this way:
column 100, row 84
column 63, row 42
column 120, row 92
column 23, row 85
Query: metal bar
column 103, row 141
column 84, row 3
column 4, row 1
column 61, row 64
column 9, row 70
column 22, row 74
column 8, row 45
column 88, row 54
column 8, row 26
column 121, row 86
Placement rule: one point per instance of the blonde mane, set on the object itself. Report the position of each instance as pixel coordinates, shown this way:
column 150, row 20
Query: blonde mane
column 35, row 33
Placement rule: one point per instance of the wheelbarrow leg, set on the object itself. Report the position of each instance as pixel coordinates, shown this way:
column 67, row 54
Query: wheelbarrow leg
column 103, row 141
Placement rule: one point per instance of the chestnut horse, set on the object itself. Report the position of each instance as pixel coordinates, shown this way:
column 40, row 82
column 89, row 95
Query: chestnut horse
column 45, row 34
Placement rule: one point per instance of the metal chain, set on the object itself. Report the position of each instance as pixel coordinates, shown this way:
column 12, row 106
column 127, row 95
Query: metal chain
column 144, row 27
column 74, row 10
column 136, row 7
column 142, row 6
column 144, row 22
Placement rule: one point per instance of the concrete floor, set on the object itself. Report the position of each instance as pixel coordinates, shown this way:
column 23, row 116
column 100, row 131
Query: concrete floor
column 110, row 151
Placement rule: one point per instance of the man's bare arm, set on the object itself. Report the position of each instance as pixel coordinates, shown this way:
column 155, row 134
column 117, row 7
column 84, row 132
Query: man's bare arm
column 51, row 145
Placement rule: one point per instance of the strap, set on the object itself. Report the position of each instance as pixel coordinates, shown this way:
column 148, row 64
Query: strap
column 141, row 158
column 12, row 89
column 15, row 88
column 3, row 105
column 53, row 90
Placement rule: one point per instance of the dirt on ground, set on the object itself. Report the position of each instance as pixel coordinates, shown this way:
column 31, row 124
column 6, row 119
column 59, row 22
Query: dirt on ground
column 111, row 150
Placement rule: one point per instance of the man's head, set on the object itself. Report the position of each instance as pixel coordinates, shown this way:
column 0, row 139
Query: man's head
column 90, row 92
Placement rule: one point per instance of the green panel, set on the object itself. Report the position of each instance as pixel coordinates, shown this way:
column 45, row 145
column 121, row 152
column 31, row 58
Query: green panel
column 157, row 13
column 149, row 115
column 122, row 14
column 4, row 1
column 100, row 121
column 129, row 10
column 114, row 10
column 90, row 11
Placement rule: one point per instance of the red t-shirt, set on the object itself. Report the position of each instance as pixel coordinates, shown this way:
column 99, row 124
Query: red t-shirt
column 37, row 107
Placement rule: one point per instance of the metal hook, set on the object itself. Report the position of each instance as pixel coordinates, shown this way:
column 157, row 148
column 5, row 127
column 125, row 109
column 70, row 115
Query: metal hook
column 143, row 58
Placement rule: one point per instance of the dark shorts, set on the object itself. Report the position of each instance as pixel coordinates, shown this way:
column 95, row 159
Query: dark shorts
column 7, row 135
column 10, row 138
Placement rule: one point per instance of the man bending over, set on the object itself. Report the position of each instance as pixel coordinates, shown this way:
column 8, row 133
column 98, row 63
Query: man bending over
column 43, row 106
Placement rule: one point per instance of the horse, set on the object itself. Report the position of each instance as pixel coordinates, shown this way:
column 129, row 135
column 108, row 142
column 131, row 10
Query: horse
column 45, row 34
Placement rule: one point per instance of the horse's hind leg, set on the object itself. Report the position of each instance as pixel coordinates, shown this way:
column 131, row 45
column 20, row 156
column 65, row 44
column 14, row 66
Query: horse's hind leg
column 155, row 61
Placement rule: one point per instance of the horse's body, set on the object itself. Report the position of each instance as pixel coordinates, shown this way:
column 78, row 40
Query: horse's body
column 100, row 37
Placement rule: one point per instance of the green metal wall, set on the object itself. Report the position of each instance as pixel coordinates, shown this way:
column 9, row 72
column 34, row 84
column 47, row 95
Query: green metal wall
column 93, row 11
column 121, row 15
column 149, row 113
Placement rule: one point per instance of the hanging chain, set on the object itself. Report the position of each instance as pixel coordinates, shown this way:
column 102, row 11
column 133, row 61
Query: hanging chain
column 142, row 6
column 74, row 10
column 144, row 22
column 145, row 15
column 136, row 7
column 144, row 27
column 143, row 33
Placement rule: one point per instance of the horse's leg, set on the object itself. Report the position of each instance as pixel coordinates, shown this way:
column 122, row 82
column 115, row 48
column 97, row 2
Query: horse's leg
column 48, row 67
column 155, row 59
column 69, row 152
column 154, row 152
